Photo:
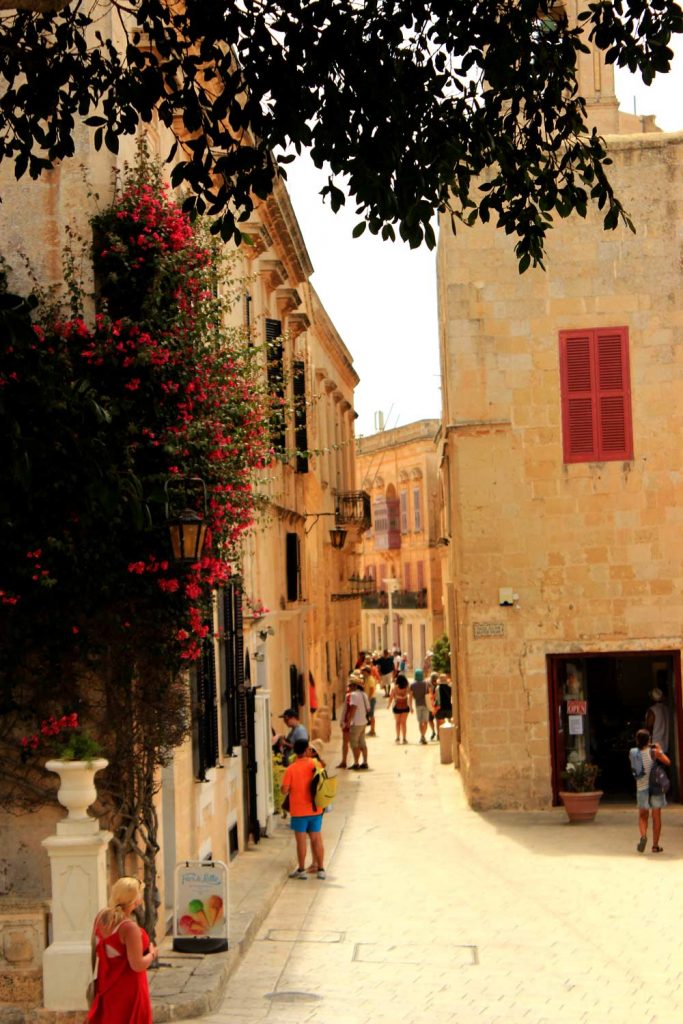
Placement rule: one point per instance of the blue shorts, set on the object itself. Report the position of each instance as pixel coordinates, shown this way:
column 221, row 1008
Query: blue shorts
column 307, row 823
column 645, row 801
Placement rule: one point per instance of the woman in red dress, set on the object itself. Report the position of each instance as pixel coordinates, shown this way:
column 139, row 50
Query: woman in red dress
column 123, row 954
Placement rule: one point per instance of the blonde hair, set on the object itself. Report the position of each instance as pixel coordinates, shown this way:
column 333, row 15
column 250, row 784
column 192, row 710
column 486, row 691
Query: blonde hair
column 124, row 892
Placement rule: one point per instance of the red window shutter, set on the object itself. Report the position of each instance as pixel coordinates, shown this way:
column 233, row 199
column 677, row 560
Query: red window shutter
column 614, row 393
column 579, row 427
column 596, row 396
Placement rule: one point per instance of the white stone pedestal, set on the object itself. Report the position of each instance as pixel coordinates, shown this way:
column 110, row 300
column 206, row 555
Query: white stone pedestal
column 79, row 889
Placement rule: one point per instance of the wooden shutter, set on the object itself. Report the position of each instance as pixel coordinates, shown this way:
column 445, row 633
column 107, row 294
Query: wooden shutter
column 596, row 399
column 233, row 668
column 300, row 424
column 205, row 724
column 293, row 568
column 614, row 394
column 276, row 382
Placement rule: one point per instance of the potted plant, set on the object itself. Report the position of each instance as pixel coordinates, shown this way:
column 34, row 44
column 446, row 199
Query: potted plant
column 580, row 797
column 74, row 756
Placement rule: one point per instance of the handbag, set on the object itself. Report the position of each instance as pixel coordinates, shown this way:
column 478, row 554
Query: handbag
column 659, row 782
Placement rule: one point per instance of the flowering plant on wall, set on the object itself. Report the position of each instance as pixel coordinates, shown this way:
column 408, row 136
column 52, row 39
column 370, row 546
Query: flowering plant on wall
column 102, row 403
column 255, row 608
column 157, row 389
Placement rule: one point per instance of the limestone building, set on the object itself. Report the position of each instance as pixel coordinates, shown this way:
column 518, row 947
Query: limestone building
column 561, row 461
column 281, row 639
column 398, row 468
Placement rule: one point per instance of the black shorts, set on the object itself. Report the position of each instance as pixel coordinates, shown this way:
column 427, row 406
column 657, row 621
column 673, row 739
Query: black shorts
column 401, row 711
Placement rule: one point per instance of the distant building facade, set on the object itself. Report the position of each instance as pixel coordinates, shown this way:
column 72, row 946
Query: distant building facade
column 398, row 468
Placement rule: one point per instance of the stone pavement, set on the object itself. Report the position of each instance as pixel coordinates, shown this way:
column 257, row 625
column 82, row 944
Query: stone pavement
column 433, row 912
column 185, row 985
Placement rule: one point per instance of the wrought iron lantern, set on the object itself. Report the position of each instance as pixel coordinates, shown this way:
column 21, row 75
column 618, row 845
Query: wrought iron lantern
column 186, row 526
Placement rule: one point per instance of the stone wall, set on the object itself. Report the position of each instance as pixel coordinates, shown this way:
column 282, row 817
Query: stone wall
column 592, row 549
column 23, row 938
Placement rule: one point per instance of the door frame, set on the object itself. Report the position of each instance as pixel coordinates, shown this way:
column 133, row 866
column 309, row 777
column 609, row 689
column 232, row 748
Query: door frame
column 556, row 736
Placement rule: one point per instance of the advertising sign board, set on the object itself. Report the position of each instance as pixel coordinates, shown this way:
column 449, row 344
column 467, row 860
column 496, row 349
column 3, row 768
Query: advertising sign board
column 200, row 919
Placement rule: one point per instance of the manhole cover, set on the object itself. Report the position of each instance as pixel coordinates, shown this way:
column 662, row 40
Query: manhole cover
column 292, row 997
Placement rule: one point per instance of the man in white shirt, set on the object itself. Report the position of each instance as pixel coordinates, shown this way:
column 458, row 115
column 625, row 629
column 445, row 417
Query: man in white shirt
column 357, row 712
column 657, row 720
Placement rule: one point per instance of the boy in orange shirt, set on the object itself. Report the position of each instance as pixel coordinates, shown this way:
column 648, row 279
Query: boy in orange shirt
column 305, row 816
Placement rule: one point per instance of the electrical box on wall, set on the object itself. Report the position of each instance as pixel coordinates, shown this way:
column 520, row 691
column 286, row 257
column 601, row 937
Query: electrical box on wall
column 507, row 597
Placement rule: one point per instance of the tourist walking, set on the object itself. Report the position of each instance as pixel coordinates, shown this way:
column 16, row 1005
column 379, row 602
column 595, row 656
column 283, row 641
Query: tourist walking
column 443, row 702
column 401, row 702
column 418, row 688
column 431, row 693
column 345, row 727
column 124, row 953
column 385, row 665
column 306, row 818
column 369, row 685
column 358, row 715
column 642, row 757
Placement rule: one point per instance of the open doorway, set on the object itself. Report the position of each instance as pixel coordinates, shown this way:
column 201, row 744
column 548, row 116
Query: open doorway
column 598, row 702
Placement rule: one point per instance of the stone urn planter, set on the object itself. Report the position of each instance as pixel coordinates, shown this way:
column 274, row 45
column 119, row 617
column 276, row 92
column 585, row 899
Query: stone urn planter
column 77, row 785
column 581, row 806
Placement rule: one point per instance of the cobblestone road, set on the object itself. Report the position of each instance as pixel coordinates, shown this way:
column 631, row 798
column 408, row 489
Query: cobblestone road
column 434, row 913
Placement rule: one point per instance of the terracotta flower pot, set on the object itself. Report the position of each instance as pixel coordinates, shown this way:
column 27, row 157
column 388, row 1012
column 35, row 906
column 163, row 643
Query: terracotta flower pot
column 581, row 806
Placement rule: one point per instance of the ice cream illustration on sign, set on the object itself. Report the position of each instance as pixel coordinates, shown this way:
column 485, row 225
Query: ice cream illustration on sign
column 200, row 918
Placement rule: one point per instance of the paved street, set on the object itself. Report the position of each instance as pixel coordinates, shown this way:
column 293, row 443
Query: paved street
column 432, row 912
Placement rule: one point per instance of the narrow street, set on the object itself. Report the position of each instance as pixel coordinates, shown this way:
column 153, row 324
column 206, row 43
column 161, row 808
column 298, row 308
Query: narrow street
column 432, row 912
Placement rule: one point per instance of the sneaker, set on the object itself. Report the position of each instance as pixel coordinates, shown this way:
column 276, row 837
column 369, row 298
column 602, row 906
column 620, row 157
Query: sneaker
column 423, row 740
column 397, row 740
column 362, row 767
column 300, row 873
column 405, row 741
column 322, row 874
column 433, row 736
column 355, row 767
column 642, row 843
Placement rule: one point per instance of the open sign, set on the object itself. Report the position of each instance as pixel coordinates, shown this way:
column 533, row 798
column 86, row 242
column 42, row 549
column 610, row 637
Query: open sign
column 577, row 707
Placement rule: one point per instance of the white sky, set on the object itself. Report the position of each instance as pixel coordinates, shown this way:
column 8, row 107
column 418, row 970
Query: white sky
column 381, row 296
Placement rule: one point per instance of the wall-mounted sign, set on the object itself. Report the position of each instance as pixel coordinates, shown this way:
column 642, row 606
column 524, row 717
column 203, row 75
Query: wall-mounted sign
column 577, row 707
column 200, row 923
column 486, row 629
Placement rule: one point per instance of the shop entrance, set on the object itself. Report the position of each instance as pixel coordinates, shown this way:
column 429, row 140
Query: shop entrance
column 597, row 703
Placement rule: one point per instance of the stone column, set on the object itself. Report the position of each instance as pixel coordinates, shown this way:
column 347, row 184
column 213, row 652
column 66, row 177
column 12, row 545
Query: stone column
column 79, row 889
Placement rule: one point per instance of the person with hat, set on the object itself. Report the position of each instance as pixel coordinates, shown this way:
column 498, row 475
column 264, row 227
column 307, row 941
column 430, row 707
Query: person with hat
column 297, row 731
column 658, row 720
column 357, row 716
column 306, row 816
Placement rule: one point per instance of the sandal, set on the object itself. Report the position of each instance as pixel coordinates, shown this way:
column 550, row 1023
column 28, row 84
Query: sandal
column 642, row 843
column 658, row 849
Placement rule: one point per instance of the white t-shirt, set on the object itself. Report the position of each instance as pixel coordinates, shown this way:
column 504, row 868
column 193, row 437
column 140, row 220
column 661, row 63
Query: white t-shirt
column 361, row 705
column 660, row 728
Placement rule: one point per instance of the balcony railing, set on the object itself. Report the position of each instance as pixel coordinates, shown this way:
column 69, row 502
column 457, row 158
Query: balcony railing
column 352, row 508
column 401, row 599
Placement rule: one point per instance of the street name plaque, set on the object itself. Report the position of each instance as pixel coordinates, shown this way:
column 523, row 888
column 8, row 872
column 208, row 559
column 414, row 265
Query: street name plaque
column 483, row 630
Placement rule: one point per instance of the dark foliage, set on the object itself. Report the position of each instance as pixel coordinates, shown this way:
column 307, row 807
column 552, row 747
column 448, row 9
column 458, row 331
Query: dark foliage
column 409, row 102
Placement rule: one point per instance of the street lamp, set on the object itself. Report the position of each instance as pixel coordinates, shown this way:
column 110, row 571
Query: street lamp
column 391, row 584
column 186, row 527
